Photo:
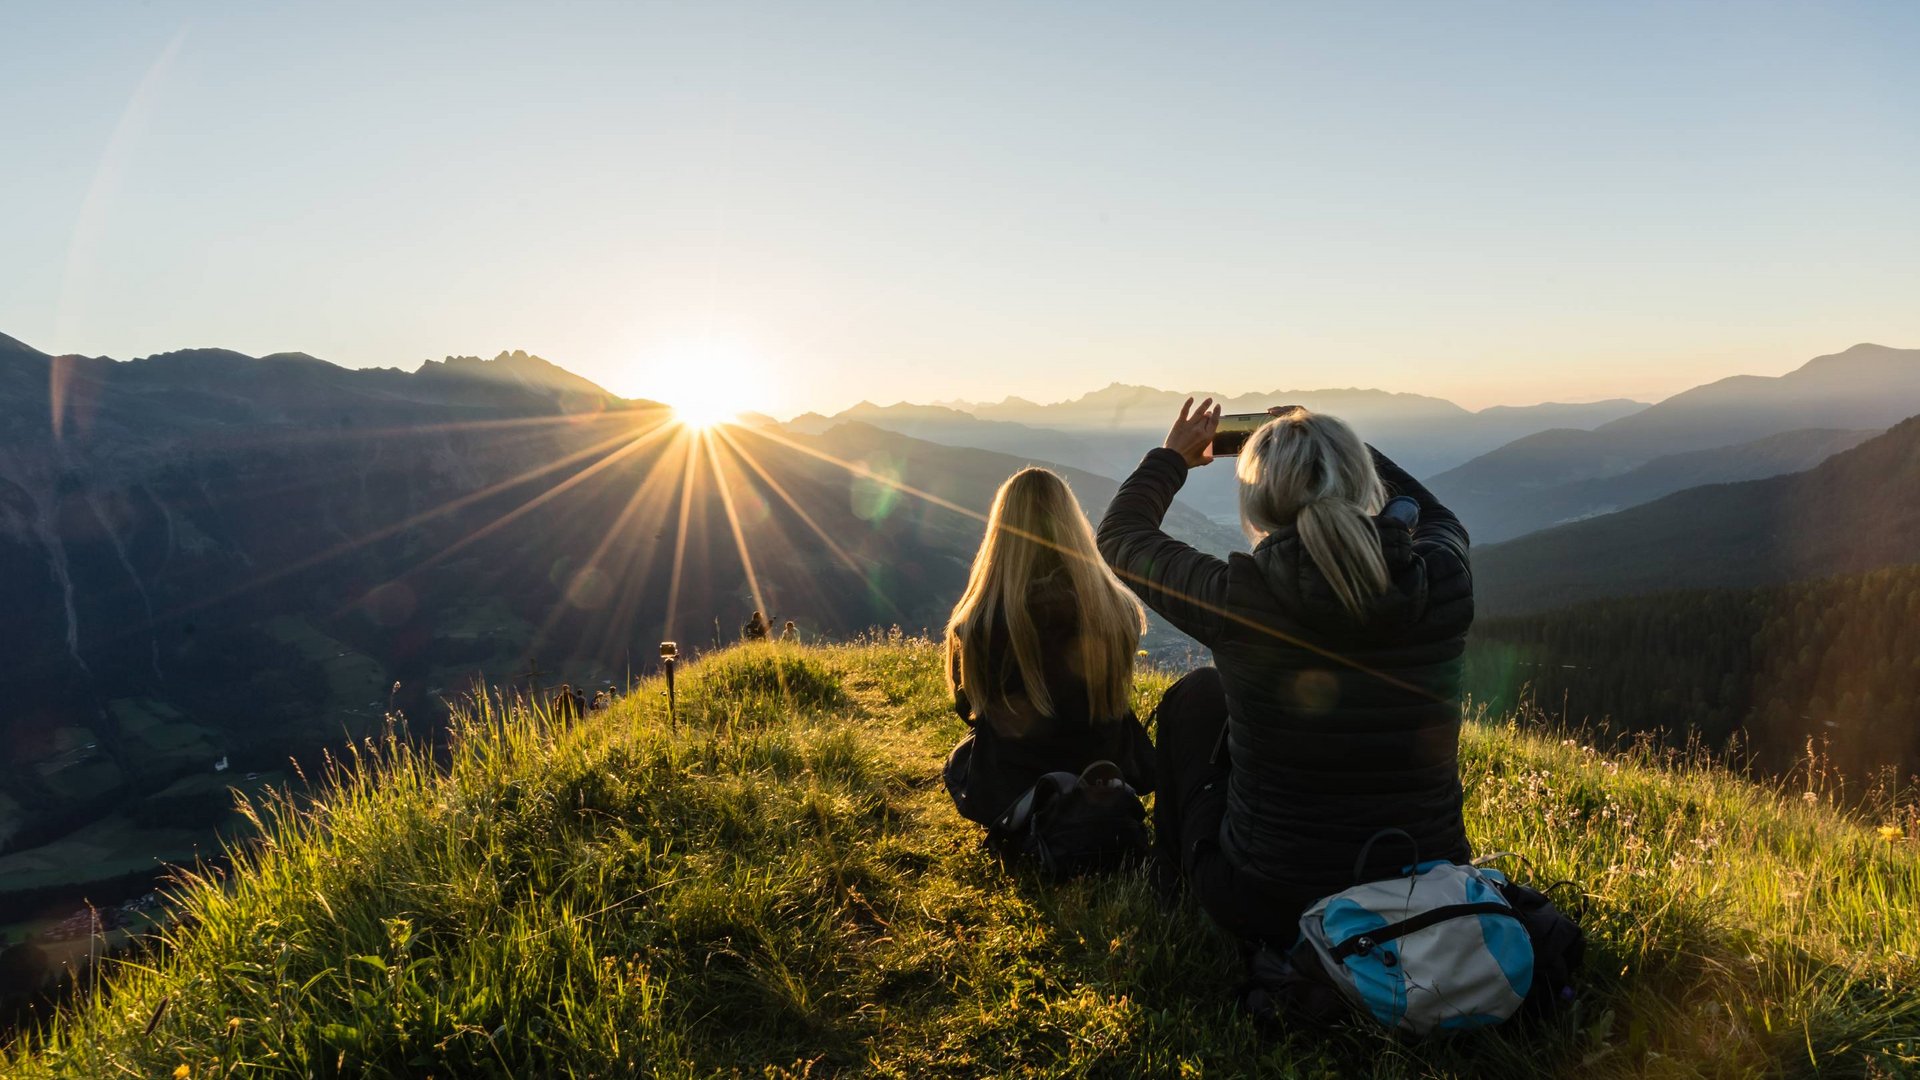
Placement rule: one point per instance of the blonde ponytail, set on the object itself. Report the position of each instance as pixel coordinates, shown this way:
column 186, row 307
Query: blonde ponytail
column 1312, row 472
column 1343, row 543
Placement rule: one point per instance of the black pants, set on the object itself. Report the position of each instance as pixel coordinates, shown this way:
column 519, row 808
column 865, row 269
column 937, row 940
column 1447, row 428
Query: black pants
column 1191, row 749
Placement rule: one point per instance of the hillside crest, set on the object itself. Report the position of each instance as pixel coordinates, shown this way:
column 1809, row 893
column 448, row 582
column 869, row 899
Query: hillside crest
column 773, row 881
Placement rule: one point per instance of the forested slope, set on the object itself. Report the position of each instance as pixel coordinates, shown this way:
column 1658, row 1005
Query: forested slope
column 1854, row 512
column 1832, row 661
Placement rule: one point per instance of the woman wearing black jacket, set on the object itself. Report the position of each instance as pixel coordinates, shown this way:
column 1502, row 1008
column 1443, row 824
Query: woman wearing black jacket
column 1040, row 654
column 1333, row 710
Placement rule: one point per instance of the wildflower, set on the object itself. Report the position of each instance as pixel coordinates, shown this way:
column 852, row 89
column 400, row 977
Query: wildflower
column 1890, row 833
column 181, row 1072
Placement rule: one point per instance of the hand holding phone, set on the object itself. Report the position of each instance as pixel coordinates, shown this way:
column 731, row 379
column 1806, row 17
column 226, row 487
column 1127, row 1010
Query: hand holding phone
column 1192, row 433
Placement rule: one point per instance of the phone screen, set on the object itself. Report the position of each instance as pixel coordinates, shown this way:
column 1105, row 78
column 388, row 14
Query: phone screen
column 1234, row 431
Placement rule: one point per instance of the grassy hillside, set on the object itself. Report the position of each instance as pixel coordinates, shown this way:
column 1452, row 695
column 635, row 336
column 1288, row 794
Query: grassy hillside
column 778, row 887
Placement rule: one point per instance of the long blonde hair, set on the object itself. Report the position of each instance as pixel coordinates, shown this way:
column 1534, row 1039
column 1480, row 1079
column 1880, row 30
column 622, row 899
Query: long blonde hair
column 1036, row 528
column 1311, row 471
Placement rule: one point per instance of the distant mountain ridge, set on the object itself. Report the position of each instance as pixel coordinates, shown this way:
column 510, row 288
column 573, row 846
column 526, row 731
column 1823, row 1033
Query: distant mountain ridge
column 1108, row 430
column 1852, row 513
column 1121, row 405
column 1507, row 470
column 1508, row 514
column 518, row 368
column 1866, row 387
column 211, row 393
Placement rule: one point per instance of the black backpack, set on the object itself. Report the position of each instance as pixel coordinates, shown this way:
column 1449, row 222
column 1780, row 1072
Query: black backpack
column 1072, row 825
column 1559, row 948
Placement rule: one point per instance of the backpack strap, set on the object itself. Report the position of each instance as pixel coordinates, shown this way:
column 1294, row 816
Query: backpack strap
column 1044, row 790
column 1366, row 849
column 1362, row 943
column 1103, row 775
column 962, row 705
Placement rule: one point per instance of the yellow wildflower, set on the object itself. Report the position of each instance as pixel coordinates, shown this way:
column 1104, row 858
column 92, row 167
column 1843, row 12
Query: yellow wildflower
column 181, row 1072
column 1890, row 833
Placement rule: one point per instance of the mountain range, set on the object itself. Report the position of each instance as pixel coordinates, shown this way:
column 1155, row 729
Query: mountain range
column 1508, row 470
column 1865, row 388
column 1851, row 513
column 218, row 558
column 1504, row 512
column 214, row 557
column 1108, row 430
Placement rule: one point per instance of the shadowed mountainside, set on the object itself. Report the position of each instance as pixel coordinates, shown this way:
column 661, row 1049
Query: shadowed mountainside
column 1827, row 663
column 1504, row 512
column 1853, row 512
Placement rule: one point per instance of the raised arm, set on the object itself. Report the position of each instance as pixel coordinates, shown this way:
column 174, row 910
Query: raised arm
column 1438, row 525
column 1183, row 585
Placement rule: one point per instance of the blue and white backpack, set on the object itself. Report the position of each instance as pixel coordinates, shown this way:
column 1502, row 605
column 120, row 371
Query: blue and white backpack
column 1445, row 947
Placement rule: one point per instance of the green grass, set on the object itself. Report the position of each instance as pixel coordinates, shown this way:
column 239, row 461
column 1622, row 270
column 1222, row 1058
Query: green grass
column 777, row 886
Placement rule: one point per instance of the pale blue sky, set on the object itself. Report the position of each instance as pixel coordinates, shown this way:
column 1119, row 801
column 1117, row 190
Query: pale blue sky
column 1498, row 203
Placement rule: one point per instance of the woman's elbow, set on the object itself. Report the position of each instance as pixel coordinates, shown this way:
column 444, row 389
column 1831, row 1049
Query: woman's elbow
column 1106, row 536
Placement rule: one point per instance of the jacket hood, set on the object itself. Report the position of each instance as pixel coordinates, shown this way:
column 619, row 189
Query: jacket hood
column 1297, row 581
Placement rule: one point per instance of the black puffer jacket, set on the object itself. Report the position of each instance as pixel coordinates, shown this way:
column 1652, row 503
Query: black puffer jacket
column 1338, row 727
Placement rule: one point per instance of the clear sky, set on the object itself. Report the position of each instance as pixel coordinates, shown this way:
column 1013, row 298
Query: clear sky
column 1496, row 203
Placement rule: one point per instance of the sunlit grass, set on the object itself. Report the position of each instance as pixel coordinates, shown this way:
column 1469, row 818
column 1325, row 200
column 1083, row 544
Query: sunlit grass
column 778, row 886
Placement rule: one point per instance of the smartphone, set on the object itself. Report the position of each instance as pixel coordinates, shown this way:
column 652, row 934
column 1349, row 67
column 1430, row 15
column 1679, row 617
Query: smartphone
column 1234, row 431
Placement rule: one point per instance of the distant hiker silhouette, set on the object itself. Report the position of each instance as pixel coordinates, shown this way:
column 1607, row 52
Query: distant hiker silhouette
column 755, row 628
column 569, row 703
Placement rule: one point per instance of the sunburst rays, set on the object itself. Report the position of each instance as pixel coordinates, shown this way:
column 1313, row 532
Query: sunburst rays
column 685, row 459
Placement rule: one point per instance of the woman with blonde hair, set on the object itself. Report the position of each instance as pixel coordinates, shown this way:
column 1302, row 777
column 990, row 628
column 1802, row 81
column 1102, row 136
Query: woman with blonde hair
column 1331, row 715
column 1040, row 654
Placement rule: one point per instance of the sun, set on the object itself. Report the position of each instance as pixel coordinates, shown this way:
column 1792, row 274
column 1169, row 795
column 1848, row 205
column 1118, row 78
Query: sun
column 705, row 383
column 703, row 411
